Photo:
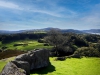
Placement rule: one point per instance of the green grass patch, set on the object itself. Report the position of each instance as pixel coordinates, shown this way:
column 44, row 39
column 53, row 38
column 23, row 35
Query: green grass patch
column 31, row 44
column 72, row 66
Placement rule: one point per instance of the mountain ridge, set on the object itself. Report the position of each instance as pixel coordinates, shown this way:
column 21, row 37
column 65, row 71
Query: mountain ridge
column 94, row 31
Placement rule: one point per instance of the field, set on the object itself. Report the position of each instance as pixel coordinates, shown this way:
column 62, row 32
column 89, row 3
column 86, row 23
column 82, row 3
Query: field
column 19, row 47
column 71, row 66
column 24, row 45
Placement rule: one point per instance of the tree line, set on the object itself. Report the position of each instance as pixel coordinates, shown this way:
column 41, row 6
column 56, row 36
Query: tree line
column 21, row 36
column 64, row 44
column 76, row 45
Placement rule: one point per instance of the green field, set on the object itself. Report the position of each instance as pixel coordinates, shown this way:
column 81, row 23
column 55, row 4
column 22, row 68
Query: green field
column 71, row 66
column 32, row 44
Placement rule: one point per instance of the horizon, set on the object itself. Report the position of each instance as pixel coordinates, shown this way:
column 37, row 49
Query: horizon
column 45, row 28
column 16, row 15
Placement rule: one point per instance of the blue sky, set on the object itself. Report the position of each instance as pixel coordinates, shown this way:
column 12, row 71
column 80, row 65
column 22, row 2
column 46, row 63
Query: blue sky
column 36, row 14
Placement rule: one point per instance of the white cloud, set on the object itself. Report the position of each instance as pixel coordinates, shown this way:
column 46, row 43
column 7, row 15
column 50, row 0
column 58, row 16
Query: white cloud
column 93, row 16
column 53, row 10
column 47, row 12
column 10, row 5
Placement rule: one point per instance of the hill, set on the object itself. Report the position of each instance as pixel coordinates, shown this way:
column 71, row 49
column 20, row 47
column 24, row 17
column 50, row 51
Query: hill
column 91, row 31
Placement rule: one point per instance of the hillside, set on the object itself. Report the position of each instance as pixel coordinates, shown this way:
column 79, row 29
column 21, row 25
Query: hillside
column 91, row 31
column 83, row 66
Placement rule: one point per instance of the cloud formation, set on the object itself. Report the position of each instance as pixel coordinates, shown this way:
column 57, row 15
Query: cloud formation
column 10, row 5
column 30, row 14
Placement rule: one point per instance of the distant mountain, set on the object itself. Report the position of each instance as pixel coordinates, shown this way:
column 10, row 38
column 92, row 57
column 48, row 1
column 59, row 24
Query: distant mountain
column 49, row 28
column 72, row 31
column 91, row 31
column 64, row 30
column 6, row 32
column 10, row 32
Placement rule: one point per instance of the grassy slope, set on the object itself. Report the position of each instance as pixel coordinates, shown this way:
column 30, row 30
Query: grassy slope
column 32, row 44
column 72, row 66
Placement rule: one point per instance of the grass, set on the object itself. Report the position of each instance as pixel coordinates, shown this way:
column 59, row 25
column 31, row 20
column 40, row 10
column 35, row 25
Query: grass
column 4, row 61
column 71, row 66
column 32, row 44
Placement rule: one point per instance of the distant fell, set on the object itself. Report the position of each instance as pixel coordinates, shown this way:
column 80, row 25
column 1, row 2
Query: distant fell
column 91, row 31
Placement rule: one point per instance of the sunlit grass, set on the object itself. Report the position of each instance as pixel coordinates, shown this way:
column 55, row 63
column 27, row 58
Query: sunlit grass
column 73, row 66
column 32, row 44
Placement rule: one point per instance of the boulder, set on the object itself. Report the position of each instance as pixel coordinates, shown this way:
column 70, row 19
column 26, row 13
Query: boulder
column 12, row 69
column 36, row 58
column 39, row 58
column 25, row 62
column 23, row 65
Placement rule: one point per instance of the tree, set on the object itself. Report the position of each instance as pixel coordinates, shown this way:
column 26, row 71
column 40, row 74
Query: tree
column 98, row 45
column 56, row 38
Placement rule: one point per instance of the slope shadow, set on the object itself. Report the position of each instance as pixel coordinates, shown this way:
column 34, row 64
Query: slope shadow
column 44, row 70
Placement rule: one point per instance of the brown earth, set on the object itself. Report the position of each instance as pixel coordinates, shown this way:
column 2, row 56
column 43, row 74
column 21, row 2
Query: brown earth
column 10, row 53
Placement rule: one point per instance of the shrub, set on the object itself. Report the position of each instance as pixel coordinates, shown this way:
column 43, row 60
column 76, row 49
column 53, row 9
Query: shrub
column 65, row 51
column 62, row 51
column 0, row 50
column 76, row 55
column 60, row 58
column 80, row 42
column 4, row 47
column 46, row 44
column 98, row 46
column 20, row 44
column 86, row 51
column 41, row 41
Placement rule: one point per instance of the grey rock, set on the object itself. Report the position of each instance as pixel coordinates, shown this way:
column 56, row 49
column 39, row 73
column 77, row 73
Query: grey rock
column 25, row 62
column 39, row 59
column 36, row 58
column 23, row 65
column 12, row 69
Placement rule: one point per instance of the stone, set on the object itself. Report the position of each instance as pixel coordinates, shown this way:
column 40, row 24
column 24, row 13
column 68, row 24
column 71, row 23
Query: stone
column 12, row 69
column 39, row 59
column 23, row 63
column 36, row 58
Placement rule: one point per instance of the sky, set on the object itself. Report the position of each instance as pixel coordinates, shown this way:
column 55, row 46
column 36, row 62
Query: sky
column 36, row 14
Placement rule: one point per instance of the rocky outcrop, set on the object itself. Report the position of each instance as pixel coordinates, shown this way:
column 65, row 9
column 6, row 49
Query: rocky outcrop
column 23, row 65
column 32, row 60
column 12, row 69
column 36, row 58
